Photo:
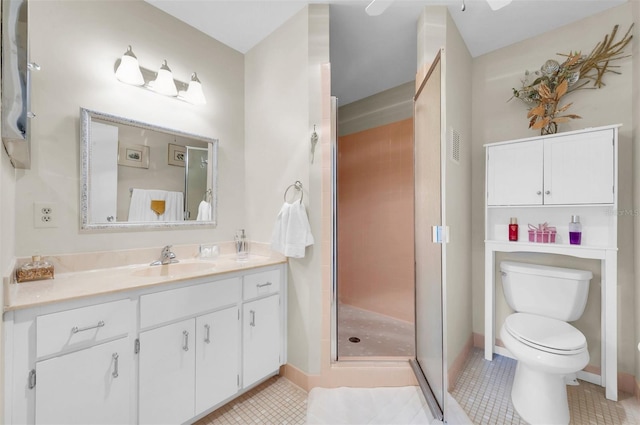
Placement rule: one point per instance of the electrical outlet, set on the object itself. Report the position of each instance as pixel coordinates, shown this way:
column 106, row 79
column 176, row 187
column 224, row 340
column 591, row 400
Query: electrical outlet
column 45, row 214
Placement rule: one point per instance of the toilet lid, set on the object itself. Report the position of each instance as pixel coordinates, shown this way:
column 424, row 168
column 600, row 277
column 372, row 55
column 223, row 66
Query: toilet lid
column 546, row 334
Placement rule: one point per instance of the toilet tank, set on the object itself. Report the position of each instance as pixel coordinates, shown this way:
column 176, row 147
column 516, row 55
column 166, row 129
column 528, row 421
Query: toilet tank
column 547, row 291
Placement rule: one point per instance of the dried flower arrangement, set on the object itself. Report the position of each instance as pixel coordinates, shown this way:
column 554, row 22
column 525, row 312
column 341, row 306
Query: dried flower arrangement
column 555, row 80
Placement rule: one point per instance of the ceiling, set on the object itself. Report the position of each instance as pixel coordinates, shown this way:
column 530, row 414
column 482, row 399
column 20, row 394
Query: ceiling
column 374, row 53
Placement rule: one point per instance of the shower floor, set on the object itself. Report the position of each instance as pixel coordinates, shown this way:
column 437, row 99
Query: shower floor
column 379, row 335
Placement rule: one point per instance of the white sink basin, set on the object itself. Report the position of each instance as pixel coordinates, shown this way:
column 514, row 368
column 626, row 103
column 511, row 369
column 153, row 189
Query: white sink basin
column 173, row 269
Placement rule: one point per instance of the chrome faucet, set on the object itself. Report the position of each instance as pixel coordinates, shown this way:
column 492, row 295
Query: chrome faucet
column 166, row 257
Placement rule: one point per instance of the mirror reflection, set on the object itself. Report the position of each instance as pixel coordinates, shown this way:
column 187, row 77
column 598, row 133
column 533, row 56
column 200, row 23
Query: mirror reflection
column 140, row 175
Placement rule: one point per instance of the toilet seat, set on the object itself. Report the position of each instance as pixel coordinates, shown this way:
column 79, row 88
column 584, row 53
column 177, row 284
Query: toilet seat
column 545, row 334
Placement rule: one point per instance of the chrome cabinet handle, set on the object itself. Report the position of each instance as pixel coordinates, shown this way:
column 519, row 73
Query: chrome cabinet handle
column 207, row 334
column 262, row 285
column 252, row 321
column 539, row 192
column 548, row 192
column 115, row 356
column 76, row 329
column 110, row 218
column 185, row 345
column 32, row 379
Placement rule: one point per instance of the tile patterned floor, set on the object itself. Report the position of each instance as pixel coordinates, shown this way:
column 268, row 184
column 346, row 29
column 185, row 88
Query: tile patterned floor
column 484, row 392
column 275, row 401
column 380, row 336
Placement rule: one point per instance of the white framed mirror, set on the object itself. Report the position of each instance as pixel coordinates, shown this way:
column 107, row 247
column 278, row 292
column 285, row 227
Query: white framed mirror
column 139, row 175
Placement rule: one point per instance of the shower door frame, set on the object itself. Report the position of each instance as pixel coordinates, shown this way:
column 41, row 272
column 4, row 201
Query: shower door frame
column 433, row 383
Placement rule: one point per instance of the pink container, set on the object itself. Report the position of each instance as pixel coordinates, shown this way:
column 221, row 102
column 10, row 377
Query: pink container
column 542, row 236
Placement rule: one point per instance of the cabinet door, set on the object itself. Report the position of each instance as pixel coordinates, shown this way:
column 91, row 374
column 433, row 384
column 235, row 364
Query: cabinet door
column 90, row 386
column 261, row 339
column 217, row 357
column 167, row 374
column 514, row 174
column 579, row 169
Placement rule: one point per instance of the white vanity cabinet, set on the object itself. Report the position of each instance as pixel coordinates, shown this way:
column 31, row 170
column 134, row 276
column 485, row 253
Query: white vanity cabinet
column 548, row 179
column 261, row 326
column 561, row 170
column 70, row 363
column 85, row 386
column 166, row 354
column 180, row 376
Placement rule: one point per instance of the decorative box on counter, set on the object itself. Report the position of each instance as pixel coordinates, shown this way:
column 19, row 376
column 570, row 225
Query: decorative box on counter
column 37, row 269
column 542, row 234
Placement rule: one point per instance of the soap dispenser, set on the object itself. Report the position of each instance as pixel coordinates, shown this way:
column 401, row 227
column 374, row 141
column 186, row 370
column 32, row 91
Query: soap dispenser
column 242, row 246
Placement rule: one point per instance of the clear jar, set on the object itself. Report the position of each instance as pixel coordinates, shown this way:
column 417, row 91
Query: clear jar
column 37, row 269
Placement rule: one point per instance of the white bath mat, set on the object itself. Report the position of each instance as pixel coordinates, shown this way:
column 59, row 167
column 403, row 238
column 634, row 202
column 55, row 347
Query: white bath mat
column 388, row 405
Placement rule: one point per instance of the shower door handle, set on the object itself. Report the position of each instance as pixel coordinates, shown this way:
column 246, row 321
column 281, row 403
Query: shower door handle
column 440, row 234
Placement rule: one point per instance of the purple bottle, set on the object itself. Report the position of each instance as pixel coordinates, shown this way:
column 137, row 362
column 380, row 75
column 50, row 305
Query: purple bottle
column 575, row 230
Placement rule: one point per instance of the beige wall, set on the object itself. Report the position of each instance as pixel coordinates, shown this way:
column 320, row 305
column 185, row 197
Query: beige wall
column 77, row 43
column 495, row 119
column 456, row 62
column 7, row 241
column 636, row 180
column 282, row 95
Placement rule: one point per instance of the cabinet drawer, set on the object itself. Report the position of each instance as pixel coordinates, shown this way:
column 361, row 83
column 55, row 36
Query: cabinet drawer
column 179, row 303
column 81, row 327
column 259, row 284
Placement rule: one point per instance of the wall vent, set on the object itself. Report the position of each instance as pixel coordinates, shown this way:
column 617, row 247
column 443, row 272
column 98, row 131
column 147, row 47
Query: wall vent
column 454, row 146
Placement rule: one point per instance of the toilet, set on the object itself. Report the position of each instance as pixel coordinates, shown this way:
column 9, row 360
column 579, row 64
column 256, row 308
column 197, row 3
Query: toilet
column 537, row 334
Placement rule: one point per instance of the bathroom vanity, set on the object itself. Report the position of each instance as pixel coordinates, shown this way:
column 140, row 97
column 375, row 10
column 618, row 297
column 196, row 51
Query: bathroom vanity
column 548, row 179
column 142, row 344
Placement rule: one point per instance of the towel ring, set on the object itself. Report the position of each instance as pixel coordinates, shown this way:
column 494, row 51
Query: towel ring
column 207, row 195
column 298, row 186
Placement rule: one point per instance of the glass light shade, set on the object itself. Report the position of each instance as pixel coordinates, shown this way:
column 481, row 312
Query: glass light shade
column 164, row 83
column 194, row 92
column 498, row 4
column 129, row 71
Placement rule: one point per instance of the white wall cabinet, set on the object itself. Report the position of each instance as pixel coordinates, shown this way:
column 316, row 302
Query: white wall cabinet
column 86, row 386
column 562, row 170
column 159, row 355
column 548, row 179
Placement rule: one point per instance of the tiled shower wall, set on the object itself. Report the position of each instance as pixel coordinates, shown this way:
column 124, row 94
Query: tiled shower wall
column 375, row 219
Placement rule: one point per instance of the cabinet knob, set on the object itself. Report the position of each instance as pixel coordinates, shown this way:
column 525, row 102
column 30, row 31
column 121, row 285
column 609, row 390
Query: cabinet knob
column 548, row 192
column 539, row 192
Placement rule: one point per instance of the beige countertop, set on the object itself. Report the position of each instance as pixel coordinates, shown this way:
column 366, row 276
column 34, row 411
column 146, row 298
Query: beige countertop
column 72, row 285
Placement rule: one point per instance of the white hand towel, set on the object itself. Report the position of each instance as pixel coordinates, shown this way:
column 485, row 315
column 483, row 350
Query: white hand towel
column 292, row 232
column 204, row 211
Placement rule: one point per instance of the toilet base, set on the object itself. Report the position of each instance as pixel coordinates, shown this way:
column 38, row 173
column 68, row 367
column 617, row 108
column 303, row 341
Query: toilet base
column 540, row 398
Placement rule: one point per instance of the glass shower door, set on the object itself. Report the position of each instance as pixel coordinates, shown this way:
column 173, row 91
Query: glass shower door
column 428, row 365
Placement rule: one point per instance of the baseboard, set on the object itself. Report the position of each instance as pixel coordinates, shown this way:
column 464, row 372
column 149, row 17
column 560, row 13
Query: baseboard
column 458, row 364
column 296, row 376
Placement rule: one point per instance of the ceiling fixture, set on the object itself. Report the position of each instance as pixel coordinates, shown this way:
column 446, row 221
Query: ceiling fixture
column 130, row 72
column 377, row 7
column 498, row 4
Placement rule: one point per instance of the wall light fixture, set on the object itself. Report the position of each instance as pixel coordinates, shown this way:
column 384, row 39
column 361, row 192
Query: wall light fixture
column 128, row 71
